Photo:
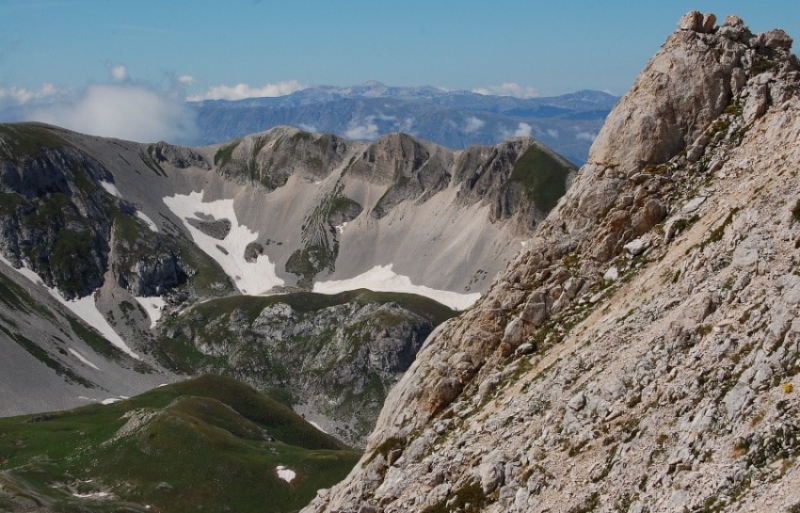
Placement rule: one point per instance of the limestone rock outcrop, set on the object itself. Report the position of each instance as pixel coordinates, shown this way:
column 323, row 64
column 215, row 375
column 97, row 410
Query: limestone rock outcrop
column 665, row 385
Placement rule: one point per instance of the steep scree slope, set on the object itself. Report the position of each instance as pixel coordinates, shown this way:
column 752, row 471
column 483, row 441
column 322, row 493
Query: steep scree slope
column 642, row 353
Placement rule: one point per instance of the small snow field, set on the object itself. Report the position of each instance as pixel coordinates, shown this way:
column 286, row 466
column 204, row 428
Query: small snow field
column 154, row 306
column 259, row 275
column 94, row 495
column 317, row 426
column 382, row 278
column 285, row 473
column 84, row 308
column 111, row 189
column 144, row 217
column 80, row 357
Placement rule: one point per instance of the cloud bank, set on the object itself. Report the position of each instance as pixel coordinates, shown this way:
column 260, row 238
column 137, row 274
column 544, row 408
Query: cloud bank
column 523, row 130
column 22, row 96
column 366, row 129
column 244, row 91
column 122, row 110
column 473, row 124
column 508, row 89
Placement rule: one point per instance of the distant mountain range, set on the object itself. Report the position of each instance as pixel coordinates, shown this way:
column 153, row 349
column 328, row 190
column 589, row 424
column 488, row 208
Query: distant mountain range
column 456, row 119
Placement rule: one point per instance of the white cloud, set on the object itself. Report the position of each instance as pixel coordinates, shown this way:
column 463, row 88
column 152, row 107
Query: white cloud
column 21, row 95
column 186, row 79
column 586, row 136
column 508, row 89
column 407, row 125
column 552, row 132
column 243, row 91
column 366, row 129
column 473, row 125
column 523, row 130
column 122, row 110
column 308, row 128
column 119, row 72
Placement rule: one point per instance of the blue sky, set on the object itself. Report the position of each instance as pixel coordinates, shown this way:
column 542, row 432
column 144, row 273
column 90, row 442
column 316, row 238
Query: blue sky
column 51, row 50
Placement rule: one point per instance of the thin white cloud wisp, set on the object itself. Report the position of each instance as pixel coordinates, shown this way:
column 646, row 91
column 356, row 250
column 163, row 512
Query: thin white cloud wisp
column 508, row 89
column 243, row 91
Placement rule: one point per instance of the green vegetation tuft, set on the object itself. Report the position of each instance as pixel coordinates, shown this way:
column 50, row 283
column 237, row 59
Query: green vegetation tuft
column 19, row 141
column 302, row 136
column 763, row 66
column 97, row 342
column 717, row 233
column 390, row 444
column 542, row 176
column 225, row 153
column 470, row 498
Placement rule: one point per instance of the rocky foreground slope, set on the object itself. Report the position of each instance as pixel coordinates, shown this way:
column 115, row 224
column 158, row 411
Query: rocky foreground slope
column 642, row 353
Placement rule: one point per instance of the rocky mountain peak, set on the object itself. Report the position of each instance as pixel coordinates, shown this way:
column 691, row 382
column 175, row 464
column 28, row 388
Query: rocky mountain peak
column 688, row 84
column 640, row 353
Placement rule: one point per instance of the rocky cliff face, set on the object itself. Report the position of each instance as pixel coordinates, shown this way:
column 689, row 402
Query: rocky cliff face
column 331, row 358
column 641, row 353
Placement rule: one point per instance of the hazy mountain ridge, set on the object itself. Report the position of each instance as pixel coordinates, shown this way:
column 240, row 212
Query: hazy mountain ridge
column 455, row 119
column 640, row 354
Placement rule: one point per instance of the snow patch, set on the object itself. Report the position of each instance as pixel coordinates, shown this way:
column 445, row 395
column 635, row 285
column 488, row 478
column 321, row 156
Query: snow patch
column 111, row 400
column 316, row 426
column 285, row 473
column 94, row 495
column 154, row 306
column 254, row 277
column 83, row 308
column 80, row 357
column 382, row 278
column 111, row 189
column 141, row 215
column 87, row 310
column 340, row 228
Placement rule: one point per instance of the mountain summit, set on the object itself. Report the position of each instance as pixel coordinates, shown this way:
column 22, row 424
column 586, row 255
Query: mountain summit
column 641, row 353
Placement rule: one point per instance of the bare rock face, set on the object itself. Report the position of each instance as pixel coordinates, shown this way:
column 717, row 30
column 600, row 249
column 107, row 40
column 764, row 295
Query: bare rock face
column 668, row 388
column 692, row 20
column 682, row 89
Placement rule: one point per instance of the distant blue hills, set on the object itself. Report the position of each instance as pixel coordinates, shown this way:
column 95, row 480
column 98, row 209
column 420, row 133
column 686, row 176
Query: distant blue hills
column 567, row 123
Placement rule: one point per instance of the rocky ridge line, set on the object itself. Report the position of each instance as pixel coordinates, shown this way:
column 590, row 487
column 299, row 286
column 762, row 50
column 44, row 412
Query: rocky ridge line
column 640, row 354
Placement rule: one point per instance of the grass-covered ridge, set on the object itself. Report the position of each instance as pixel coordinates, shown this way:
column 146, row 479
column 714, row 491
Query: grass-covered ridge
column 305, row 302
column 27, row 140
column 542, row 175
column 210, row 442
column 180, row 354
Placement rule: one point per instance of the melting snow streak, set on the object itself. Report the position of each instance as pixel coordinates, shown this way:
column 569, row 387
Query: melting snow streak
column 383, row 279
column 251, row 277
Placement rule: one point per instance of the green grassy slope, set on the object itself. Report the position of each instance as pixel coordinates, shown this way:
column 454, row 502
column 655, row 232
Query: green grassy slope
column 210, row 443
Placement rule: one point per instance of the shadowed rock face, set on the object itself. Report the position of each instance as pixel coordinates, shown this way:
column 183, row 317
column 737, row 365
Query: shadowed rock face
column 640, row 352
